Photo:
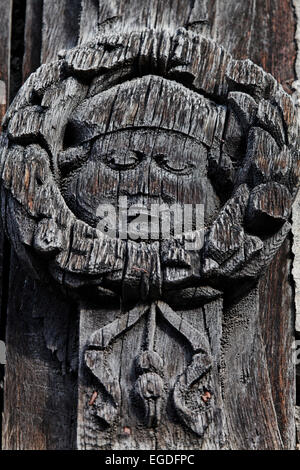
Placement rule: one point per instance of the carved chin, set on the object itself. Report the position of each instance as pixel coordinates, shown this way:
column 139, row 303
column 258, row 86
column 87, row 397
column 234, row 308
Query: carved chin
column 195, row 134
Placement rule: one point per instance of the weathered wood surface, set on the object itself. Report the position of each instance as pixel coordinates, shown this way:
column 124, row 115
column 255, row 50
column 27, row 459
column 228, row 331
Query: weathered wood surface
column 125, row 421
column 41, row 371
column 6, row 14
column 5, row 36
column 269, row 40
column 32, row 37
column 247, row 341
column 39, row 338
column 60, row 27
column 268, row 23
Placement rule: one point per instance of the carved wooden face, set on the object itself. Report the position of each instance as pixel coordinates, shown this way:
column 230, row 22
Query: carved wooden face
column 196, row 126
column 166, row 164
column 147, row 166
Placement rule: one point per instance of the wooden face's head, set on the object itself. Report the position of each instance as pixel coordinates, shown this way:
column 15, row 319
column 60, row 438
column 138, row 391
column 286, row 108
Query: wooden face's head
column 147, row 140
column 96, row 127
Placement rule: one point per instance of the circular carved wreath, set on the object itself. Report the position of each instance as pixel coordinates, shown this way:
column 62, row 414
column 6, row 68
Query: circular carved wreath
column 237, row 112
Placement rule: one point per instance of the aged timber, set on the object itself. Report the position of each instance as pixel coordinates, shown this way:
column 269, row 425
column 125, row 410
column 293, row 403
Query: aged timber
column 173, row 342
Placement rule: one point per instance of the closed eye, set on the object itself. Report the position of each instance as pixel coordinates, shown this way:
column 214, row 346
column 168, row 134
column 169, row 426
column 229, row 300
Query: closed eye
column 173, row 166
column 123, row 160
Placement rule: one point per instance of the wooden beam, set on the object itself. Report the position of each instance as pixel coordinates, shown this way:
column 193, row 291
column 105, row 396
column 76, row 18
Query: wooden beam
column 5, row 38
column 141, row 360
column 60, row 27
column 33, row 37
column 5, row 23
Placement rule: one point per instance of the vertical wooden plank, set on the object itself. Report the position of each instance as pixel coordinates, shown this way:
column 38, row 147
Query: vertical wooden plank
column 5, row 35
column 269, row 42
column 33, row 36
column 134, row 15
column 40, row 380
column 247, row 389
column 277, row 323
column 40, row 391
column 269, row 38
column 60, row 27
column 89, row 20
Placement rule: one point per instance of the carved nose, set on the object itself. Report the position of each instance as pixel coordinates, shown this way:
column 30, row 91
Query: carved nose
column 150, row 179
column 152, row 184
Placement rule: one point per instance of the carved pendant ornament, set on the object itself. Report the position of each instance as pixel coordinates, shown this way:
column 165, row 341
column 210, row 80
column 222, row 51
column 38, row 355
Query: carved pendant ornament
column 155, row 118
column 149, row 386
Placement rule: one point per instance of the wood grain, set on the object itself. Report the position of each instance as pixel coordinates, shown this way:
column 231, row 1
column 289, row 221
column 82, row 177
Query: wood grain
column 40, row 384
column 125, row 400
column 6, row 14
column 269, row 39
column 60, row 27
column 5, row 36
column 32, row 39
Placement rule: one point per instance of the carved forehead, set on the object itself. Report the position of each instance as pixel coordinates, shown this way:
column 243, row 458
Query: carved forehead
column 148, row 140
column 148, row 102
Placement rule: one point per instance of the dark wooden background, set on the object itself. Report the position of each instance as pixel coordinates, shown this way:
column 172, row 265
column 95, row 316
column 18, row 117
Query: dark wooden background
column 41, row 380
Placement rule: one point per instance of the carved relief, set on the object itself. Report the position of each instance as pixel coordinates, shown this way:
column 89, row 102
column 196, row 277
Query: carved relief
column 155, row 118
column 150, row 386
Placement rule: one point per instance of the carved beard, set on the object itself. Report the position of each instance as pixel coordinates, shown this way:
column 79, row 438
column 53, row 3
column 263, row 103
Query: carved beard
column 215, row 125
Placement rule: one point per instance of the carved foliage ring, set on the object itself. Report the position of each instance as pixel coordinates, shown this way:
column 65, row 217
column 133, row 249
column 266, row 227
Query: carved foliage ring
column 128, row 88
